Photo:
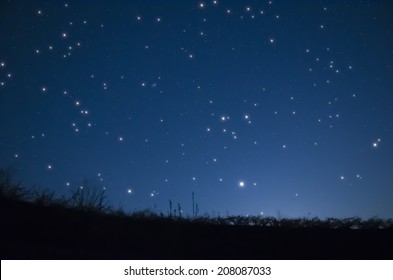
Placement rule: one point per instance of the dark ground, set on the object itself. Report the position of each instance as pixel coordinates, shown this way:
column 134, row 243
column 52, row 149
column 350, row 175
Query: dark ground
column 30, row 231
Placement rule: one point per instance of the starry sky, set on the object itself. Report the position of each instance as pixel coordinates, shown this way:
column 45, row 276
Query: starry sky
column 272, row 108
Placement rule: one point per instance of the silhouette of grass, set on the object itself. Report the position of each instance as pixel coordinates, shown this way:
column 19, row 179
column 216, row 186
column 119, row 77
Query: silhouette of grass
column 86, row 198
column 10, row 189
column 38, row 225
column 89, row 199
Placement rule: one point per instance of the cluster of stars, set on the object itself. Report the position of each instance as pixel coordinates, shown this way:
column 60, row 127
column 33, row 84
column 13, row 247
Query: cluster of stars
column 207, row 97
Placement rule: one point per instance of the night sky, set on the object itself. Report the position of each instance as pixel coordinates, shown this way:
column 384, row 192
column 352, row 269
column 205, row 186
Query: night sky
column 272, row 108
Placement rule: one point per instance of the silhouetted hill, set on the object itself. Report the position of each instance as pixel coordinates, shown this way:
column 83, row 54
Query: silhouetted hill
column 34, row 231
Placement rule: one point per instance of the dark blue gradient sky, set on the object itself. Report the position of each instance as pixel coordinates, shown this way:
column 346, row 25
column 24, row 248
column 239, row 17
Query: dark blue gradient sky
column 258, row 107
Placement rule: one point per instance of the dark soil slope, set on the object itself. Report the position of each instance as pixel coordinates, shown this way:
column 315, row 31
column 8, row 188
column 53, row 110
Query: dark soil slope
column 31, row 231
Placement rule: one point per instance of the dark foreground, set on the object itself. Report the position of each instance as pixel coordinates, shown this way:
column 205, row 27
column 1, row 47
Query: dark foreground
column 30, row 231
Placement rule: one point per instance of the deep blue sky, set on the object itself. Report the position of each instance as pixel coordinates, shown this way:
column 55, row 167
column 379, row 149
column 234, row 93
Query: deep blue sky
column 258, row 107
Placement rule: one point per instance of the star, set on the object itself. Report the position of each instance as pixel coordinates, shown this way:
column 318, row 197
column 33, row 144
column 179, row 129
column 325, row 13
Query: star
column 242, row 184
column 375, row 144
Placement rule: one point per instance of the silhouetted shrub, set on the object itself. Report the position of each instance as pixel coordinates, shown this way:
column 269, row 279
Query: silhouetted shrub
column 9, row 189
column 88, row 198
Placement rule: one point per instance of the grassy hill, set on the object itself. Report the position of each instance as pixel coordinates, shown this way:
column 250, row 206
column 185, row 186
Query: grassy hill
column 33, row 231
column 82, row 228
